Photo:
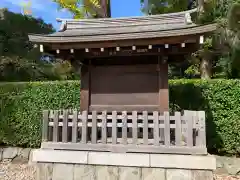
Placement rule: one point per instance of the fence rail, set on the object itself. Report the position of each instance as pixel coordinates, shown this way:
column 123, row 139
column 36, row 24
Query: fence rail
column 149, row 132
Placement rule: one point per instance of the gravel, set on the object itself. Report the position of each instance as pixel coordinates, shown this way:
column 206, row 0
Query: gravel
column 24, row 171
column 16, row 171
column 225, row 177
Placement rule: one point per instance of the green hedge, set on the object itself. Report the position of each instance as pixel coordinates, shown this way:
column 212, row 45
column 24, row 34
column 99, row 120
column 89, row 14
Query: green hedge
column 220, row 99
column 22, row 103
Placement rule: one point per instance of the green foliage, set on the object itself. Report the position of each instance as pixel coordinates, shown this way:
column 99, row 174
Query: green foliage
column 234, row 17
column 224, row 44
column 165, row 6
column 14, row 30
column 220, row 100
column 19, row 60
column 85, row 8
column 22, row 104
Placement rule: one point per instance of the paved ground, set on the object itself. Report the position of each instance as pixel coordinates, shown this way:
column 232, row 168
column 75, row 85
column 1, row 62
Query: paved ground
column 23, row 171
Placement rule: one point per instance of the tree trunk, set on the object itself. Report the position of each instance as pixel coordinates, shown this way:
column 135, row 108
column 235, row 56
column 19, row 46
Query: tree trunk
column 206, row 66
column 106, row 6
column 201, row 6
column 109, row 14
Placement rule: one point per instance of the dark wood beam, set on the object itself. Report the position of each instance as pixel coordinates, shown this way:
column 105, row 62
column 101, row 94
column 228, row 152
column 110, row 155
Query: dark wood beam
column 159, row 50
column 85, row 87
column 163, row 85
column 125, row 43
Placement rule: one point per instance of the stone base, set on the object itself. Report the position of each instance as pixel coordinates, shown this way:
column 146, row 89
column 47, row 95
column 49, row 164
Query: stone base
column 58, row 171
column 83, row 165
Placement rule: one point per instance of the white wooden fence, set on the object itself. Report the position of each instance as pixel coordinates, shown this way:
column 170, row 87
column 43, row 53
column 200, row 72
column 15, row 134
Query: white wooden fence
column 149, row 132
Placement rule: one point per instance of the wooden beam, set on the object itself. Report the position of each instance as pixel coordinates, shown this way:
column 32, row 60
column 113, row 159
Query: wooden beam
column 157, row 50
column 125, row 43
column 124, row 107
column 41, row 48
column 85, row 87
column 125, row 148
column 163, row 85
column 201, row 39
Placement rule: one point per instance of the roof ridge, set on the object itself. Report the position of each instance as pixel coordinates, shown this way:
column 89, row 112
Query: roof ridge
column 131, row 17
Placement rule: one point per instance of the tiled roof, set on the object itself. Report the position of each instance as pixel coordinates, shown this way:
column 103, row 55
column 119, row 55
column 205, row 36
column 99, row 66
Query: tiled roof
column 89, row 30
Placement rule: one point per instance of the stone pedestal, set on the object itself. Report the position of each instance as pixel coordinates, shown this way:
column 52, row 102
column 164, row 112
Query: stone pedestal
column 56, row 165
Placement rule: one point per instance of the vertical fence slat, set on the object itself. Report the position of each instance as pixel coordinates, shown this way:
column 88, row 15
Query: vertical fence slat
column 104, row 127
column 124, row 127
column 134, row 127
column 178, row 130
column 50, row 128
column 114, row 127
column 161, row 133
column 55, row 126
column 84, row 126
column 166, row 129
column 74, row 126
column 195, row 121
column 45, row 124
column 201, row 142
column 94, row 127
column 156, row 128
column 189, row 119
column 145, row 127
column 65, row 126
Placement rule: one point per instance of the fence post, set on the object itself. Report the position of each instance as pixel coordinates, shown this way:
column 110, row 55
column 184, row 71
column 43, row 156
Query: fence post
column 166, row 129
column 135, row 127
column 84, row 126
column 201, row 139
column 145, row 127
column 74, row 126
column 124, row 127
column 55, row 126
column 178, row 130
column 94, row 127
column 45, row 123
column 65, row 126
column 156, row 128
column 189, row 120
column 114, row 127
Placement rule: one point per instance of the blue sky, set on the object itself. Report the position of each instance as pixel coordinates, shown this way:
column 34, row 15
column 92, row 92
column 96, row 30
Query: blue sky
column 48, row 11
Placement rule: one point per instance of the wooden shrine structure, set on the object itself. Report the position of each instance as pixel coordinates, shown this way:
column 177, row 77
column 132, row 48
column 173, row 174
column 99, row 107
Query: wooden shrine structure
column 124, row 61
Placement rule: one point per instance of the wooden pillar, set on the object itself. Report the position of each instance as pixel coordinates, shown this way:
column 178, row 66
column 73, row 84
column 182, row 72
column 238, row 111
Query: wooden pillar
column 163, row 85
column 85, row 87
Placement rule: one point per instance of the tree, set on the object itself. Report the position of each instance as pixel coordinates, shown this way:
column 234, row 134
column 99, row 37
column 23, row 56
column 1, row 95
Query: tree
column 220, row 52
column 27, row 7
column 19, row 60
column 167, row 6
column 86, row 8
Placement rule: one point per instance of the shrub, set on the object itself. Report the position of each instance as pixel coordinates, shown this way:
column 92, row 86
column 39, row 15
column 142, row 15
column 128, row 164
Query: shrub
column 220, row 100
column 22, row 105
